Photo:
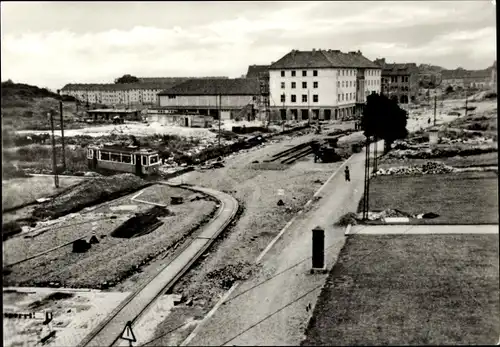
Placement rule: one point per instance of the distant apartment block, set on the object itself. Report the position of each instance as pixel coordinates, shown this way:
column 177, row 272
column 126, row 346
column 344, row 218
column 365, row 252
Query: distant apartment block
column 118, row 94
column 322, row 84
column 480, row 79
column 399, row 80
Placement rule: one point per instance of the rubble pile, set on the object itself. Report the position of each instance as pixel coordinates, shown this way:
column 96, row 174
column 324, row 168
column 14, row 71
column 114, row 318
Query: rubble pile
column 428, row 168
column 388, row 213
column 89, row 193
column 226, row 276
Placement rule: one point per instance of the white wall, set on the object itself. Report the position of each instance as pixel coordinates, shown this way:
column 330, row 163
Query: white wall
column 336, row 87
column 237, row 101
column 326, row 90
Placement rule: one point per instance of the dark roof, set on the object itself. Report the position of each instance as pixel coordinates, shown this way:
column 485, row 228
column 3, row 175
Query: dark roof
column 323, row 59
column 117, row 148
column 236, row 86
column 171, row 79
column 393, row 69
column 254, row 71
column 112, row 110
column 120, row 86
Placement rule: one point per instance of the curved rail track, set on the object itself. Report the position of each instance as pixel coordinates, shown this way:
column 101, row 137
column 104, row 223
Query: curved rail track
column 107, row 333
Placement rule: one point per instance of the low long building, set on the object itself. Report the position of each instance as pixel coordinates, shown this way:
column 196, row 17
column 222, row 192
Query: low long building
column 232, row 98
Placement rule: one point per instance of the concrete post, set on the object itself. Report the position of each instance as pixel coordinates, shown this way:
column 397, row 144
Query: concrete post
column 318, row 250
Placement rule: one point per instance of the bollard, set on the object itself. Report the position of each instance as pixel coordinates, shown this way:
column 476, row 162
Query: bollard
column 318, row 250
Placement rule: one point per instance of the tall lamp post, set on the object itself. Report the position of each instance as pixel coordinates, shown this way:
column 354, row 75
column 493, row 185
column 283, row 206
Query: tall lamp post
column 62, row 130
column 54, row 160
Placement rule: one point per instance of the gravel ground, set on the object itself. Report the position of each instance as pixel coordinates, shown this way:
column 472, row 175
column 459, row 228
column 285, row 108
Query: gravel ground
column 19, row 191
column 109, row 261
column 258, row 190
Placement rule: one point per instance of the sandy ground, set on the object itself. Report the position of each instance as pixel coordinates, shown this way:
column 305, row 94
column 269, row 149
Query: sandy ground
column 18, row 191
column 258, row 190
column 74, row 314
column 131, row 128
column 112, row 258
column 418, row 121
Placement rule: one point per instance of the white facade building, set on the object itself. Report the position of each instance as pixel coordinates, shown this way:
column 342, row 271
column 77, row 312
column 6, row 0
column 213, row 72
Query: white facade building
column 117, row 94
column 322, row 83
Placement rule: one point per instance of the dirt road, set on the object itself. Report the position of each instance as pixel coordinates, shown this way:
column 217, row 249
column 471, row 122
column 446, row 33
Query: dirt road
column 270, row 309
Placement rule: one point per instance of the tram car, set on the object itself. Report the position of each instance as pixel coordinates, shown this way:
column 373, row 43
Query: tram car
column 120, row 158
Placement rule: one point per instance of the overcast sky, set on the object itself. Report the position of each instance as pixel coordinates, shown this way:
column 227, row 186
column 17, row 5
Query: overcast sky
column 53, row 43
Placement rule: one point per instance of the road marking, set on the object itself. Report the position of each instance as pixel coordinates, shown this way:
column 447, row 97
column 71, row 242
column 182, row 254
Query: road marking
column 136, row 195
column 210, row 314
column 134, row 198
column 149, row 203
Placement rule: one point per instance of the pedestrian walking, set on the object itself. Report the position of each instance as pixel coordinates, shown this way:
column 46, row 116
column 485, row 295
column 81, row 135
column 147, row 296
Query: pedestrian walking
column 347, row 175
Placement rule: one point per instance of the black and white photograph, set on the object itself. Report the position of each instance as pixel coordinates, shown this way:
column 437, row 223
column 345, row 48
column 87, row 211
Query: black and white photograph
column 249, row 173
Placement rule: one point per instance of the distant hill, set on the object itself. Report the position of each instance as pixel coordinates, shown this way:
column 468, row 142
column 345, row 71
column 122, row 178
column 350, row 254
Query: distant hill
column 21, row 90
column 25, row 106
column 429, row 68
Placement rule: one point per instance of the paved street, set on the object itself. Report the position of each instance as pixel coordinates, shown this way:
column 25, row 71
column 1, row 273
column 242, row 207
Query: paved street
column 242, row 310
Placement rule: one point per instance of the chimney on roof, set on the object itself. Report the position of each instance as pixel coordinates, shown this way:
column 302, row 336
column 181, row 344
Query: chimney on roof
column 359, row 52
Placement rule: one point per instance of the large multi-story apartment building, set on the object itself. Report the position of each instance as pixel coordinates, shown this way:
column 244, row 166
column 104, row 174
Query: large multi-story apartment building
column 399, row 81
column 116, row 94
column 322, row 84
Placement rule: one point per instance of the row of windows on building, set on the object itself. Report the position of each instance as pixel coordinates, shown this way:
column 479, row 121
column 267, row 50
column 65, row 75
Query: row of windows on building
column 293, row 98
column 345, row 84
column 340, row 97
column 304, row 85
column 343, row 72
column 394, row 79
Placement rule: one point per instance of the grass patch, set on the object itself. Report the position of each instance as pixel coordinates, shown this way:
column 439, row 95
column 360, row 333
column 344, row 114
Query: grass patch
column 459, row 198
column 89, row 193
column 410, row 290
column 485, row 159
column 20, row 191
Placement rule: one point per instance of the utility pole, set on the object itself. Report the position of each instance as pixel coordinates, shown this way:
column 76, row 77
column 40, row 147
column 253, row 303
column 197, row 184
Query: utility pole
column 367, row 179
column 308, row 109
column 62, row 130
column 284, row 109
column 54, row 160
column 435, row 107
column 375, row 155
column 465, row 101
column 220, row 102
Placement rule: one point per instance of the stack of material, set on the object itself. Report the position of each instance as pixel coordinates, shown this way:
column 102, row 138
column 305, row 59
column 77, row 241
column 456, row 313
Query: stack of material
column 428, row 168
column 226, row 276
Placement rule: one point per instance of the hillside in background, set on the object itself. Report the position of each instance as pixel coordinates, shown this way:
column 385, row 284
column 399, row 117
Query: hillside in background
column 25, row 106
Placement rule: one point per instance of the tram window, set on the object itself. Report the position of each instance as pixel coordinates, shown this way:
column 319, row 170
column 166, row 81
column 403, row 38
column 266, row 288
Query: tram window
column 104, row 156
column 126, row 159
column 115, row 157
column 90, row 154
column 153, row 159
column 144, row 160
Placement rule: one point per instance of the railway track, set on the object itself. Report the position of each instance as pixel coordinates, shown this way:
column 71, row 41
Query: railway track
column 292, row 154
column 107, row 333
